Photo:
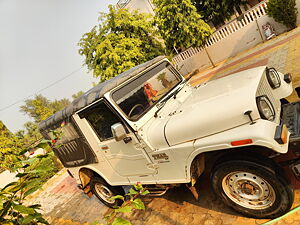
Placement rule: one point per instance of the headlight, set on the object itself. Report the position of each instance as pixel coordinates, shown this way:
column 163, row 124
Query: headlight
column 265, row 108
column 273, row 78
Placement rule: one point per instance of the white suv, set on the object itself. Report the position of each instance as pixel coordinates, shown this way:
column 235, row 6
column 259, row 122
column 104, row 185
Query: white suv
column 149, row 125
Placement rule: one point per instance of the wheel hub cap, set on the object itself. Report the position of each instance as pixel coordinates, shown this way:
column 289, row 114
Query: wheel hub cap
column 248, row 190
column 104, row 193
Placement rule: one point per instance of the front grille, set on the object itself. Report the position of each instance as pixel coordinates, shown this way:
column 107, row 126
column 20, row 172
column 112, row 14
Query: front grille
column 264, row 88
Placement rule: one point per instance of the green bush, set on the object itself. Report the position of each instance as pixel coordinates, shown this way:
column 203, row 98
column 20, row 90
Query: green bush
column 32, row 172
column 283, row 11
column 48, row 162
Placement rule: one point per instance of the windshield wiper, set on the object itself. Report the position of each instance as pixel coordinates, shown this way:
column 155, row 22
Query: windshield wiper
column 163, row 102
column 178, row 90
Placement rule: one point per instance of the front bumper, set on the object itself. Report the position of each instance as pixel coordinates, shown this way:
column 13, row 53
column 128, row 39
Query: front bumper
column 291, row 117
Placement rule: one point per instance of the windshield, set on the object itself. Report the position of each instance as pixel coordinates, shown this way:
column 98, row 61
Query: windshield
column 138, row 96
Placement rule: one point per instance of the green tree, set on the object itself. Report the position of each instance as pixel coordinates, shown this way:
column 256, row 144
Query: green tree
column 121, row 40
column 217, row 11
column 180, row 25
column 32, row 129
column 32, row 172
column 40, row 108
column 77, row 95
column 9, row 146
column 30, row 135
column 283, row 11
column 58, row 105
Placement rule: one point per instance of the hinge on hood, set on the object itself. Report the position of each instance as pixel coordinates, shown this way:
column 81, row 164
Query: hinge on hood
column 248, row 113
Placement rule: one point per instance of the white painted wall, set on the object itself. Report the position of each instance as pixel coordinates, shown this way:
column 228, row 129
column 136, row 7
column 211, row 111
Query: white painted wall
column 243, row 39
column 198, row 61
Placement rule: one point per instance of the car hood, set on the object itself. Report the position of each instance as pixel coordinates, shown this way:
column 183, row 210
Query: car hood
column 211, row 108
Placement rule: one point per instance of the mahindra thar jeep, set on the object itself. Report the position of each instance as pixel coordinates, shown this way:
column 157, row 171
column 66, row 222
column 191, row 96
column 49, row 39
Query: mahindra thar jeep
column 149, row 125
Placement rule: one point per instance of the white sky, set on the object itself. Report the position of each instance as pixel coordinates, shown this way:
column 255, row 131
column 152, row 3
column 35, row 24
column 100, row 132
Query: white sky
column 38, row 46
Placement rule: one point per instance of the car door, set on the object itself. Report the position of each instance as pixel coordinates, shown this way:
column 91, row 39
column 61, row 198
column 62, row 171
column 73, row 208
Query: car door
column 126, row 157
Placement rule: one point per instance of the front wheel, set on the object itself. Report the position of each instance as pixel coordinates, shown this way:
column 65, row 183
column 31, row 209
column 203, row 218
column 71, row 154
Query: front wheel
column 253, row 189
column 103, row 191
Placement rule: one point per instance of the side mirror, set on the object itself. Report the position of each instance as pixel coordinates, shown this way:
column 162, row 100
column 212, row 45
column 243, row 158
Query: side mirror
column 118, row 131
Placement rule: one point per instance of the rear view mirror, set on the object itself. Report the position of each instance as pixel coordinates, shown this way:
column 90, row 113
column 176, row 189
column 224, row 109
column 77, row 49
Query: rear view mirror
column 118, row 131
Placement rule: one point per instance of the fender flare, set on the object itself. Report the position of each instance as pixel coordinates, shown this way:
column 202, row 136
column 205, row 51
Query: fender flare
column 85, row 180
column 248, row 150
column 200, row 151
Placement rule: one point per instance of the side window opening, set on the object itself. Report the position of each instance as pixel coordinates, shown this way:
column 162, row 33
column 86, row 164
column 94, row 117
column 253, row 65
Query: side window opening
column 101, row 118
column 74, row 149
column 69, row 133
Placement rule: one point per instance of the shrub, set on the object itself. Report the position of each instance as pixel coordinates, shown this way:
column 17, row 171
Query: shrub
column 131, row 202
column 31, row 173
column 283, row 11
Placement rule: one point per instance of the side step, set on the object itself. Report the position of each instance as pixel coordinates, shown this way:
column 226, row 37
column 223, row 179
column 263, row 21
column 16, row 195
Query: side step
column 156, row 191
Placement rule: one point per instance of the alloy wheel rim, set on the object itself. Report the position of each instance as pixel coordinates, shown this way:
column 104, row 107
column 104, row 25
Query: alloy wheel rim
column 248, row 190
column 104, row 193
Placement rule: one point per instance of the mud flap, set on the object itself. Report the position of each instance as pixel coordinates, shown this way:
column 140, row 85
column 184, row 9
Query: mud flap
column 86, row 190
column 197, row 169
column 194, row 191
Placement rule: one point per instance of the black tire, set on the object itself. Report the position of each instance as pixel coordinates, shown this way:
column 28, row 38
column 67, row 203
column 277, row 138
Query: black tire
column 252, row 188
column 103, row 191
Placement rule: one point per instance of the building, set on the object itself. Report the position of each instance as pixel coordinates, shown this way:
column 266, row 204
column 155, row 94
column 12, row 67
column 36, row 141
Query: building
column 144, row 6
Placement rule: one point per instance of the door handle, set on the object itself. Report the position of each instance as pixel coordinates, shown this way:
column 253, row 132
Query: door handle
column 127, row 140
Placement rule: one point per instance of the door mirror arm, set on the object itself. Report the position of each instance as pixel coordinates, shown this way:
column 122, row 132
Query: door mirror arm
column 127, row 140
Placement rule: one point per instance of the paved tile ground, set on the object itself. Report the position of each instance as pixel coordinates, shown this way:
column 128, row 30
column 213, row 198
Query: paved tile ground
column 63, row 203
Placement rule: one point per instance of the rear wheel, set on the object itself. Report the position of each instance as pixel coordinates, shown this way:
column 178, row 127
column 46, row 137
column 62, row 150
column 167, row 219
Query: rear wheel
column 253, row 189
column 103, row 191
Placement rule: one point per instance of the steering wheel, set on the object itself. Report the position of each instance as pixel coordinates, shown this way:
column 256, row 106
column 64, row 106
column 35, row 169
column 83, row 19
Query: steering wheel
column 133, row 108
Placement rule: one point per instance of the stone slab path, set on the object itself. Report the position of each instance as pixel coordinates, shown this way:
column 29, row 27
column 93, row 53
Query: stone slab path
column 64, row 204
